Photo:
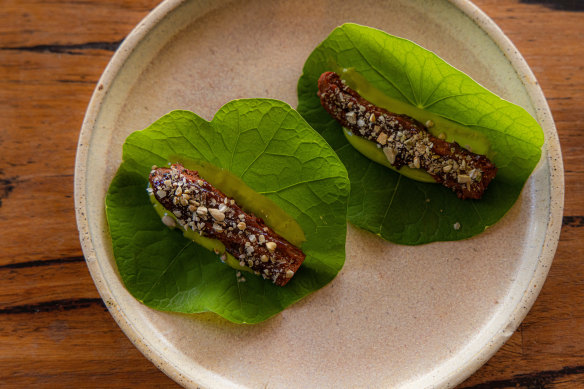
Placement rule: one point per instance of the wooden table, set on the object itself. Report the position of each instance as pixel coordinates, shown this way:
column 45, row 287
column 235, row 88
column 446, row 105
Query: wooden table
column 55, row 330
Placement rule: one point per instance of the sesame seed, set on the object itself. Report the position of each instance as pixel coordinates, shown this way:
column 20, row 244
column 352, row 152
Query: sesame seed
column 202, row 211
column 264, row 258
column 177, row 213
column 217, row 214
column 168, row 221
column 271, row 246
column 289, row 273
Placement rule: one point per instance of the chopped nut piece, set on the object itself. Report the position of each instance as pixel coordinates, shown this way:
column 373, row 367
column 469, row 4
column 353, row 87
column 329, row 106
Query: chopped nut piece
column 463, row 179
column 382, row 138
column 271, row 246
column 417, row 162
column 351, row 117
column 241, row 226
column 390, row 153
column 264, row 258
column 161, row 193
column 289, row 273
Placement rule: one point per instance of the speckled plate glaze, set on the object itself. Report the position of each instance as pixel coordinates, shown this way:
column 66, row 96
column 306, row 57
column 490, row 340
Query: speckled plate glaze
column 395, row 316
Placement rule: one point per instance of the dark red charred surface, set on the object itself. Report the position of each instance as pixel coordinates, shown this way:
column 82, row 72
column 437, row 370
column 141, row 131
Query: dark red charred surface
column 202, row 208
column 405, row 141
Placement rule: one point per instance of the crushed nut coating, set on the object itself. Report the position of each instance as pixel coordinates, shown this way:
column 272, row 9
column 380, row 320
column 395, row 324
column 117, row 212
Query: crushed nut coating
column 405, row 141
column 202, row 208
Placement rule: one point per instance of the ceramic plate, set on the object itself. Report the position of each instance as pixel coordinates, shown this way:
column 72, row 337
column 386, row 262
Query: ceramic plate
column 425, row 316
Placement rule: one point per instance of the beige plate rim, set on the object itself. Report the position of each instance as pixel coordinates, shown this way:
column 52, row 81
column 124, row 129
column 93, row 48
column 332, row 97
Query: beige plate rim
column 444, row 379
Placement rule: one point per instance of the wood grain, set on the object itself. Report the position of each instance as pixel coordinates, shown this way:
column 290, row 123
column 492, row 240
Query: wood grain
column 54, row 328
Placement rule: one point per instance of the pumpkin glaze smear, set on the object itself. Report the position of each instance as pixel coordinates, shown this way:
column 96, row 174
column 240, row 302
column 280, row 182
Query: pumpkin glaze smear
column 198, row 206
column 405, row 141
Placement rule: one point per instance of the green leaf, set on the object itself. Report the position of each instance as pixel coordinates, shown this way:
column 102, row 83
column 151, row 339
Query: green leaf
column 276, row 153
column 405, row 78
